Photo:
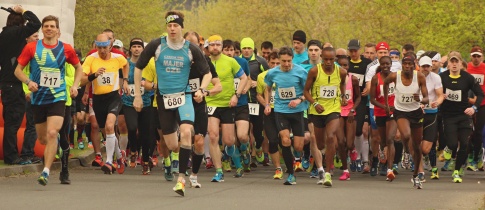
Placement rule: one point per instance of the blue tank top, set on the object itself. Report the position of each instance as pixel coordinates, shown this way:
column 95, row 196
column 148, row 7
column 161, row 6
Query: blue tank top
column 243, row 100
column 47, row 69
column 173, row 68
column 128, row 99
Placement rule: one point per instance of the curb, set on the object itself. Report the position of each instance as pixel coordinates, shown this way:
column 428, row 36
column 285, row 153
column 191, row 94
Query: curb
column 82, row 160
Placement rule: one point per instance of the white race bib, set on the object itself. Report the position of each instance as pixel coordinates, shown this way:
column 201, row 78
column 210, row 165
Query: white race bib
column 478, row 78
column 211, row 110
column 131, row 88
column 453, row 95
column 253, row 109
column 348, row 94
column 107, row 78
column 236, row 83
column 360, row 77
column 194, row 84
column 328, row 91
column 406, row 98
column 392, row 88
column 171, row 101
column 50, row 79
column 287, row 93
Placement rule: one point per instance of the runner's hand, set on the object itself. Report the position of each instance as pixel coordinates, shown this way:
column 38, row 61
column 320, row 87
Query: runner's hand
column 18, row 9
column 85, row 99
column 365, row 92
column 33, row 87
column 99, row 72
column 267, row 110
column 233, row 101
column 198, row 96
column 469, row 111
column 73, row 92
column 27, row 97
column 138, row 103
column 350, row 118
column 319, row 108
column 416, row 97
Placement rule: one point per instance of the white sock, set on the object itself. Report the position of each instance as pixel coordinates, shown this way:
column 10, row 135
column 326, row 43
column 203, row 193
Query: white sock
column 365, row 150
column 123, row 141
column 358, row 145
column 110, row 147
column 207, row 146
column 321, row 169
column 346, row 170
column 46, row 170
column 117, row 149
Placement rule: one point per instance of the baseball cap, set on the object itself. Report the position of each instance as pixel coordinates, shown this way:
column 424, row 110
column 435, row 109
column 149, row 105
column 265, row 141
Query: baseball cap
column 382, row 46
column 476, row 51
column 425, row 60
column 454, row 54
column 118, row 43
column 419, row 53
column 354, row 44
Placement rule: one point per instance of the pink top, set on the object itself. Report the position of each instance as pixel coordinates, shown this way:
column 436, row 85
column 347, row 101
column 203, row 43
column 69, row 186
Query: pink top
column 349, row 96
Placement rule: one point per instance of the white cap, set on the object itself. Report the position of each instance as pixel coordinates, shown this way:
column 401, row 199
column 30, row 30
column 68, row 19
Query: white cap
column 425, row 60
column 419, row 53
column 118, row 43
column 437, row 57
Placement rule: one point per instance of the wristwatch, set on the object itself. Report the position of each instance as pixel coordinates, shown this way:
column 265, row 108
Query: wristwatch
column 238, row 95
column 27, row 81
column 475, row 108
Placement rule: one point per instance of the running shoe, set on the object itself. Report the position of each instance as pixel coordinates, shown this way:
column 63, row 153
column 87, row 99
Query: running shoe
column 246, row 157
column 390, row 176
column 473, row 166
column 395, row 169
column 291, row 180
column 345, row 176
column 208, row 163
column 168, row 173
column 427, row 164
column 25, row 160
column 321, row 177
column 71, row 146
column 226, row 166
column 447, row 153
column 239, row 173
column 434, row 173
column 98, row 161
column 107, row 168
column 219, row 177
column 411, row 162
column 155, row 160
column 383, row 171
column 451, row 167
column 145, row 168
column 266, row 161
column 314, row 173
column 35, row 159
column 80, row 143
column 417, row 183
column 405, row 162
column 64, row 178
column 366, row 169
column 180, row 188
column 260, row 157
column 461, row 172
column 358, row 165
column 297, row 166
column 305, row 163
column 90, row 145
column 175, row 166
column 337, row 163
column 382, row 157
column 456, row 177
column 480, row 165
column 121, row 163
column 328, row 180
column 353, row 155
column 43, row 178
column 278, row 174
column 373, row 171
column 193, row 182
column 446, row 165
column 132, row 160
column 421, row 177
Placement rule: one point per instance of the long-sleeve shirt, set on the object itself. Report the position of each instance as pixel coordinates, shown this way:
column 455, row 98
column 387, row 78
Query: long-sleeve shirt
column 456, row 91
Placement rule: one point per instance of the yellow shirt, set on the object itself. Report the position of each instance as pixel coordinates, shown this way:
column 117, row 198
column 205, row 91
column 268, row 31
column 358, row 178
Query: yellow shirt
column 109, row 81
column 261, row 85
column 150, row 74
column 326, row 91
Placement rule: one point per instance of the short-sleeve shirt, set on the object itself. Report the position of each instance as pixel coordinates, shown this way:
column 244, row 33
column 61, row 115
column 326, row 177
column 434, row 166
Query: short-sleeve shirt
column 294, row 79
column 109, row 81
column 227, row 69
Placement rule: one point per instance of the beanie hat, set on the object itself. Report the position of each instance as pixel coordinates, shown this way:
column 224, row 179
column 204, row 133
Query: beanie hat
column 299, row 36
column 247, row 43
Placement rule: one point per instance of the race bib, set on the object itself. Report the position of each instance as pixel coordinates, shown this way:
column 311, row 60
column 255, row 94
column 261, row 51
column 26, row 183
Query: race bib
column 392, row 88
column 287, row 93
column 360, row 77
column 253, row 109
column 194, row 84
column 478, row 78
column 171, row 101
column 271, row 100
column 50, row 79
column 348, row 94
column 131, row 88
column 453, row 95
column 406, row 98
column 328, row 91
column 210, row 110
column 236, row 83
column 107, row 78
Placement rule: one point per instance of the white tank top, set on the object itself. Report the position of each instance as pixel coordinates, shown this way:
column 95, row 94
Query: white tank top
column 404, row 100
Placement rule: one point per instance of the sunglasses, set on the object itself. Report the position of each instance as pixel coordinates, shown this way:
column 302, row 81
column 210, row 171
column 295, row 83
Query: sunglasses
column 476, row 56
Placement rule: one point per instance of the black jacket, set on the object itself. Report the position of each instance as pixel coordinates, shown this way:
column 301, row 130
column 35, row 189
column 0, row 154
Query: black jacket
column 12, row 41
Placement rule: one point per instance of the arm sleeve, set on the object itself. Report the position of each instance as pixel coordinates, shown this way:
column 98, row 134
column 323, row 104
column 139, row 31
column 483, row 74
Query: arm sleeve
column 477, row 90
column 71, row 56
column 33, row 25
column 148, row 53
column 199, row 59
column 239, row 73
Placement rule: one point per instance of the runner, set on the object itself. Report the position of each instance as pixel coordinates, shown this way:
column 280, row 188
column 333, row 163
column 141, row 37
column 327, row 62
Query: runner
column 48, row 86
column 408, row 112
column 289, row 104
column 299, row 51
column 456, row 110
column 323, row 89
column 266, row 49
column 173, row 57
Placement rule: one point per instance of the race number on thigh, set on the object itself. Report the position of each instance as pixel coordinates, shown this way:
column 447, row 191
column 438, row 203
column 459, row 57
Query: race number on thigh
column 328, row 91
column 253, row 109
column 132, row 90
column 106, row 78
column 287, row 93
column 50, row 79
column 171, row 101
column 453, row 95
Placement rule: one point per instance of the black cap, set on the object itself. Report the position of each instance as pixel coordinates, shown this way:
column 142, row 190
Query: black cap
column 315, row 42
column 299, row 36
column 354, row 44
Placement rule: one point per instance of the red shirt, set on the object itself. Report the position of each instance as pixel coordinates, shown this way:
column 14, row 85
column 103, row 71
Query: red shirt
column 29, row 51
column 379, row 112
column 478, row 73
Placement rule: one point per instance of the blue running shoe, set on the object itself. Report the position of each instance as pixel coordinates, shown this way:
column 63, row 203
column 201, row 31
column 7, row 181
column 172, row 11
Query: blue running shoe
column 219, row 177
column 314, row 173
column 447, row 164
column 395, row 169
column 373, row 171
column 168, row 173
column 175, row 166
column 291, row 180
column 383, row 171
column 353, row 166
column 43, row 178
column 305, row 163
column 358, row 165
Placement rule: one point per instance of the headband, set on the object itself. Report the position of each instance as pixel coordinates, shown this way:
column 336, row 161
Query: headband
column 437, row 57
column 408, row 58
column 394, row 53
column 137, row 42
column 175, row 19
column 102, row 44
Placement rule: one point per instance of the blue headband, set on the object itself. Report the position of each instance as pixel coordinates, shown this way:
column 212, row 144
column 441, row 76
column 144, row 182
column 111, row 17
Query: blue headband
column 395, row 53
column 102, row 44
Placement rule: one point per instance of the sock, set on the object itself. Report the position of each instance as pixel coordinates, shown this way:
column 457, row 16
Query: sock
column 358, row 145
column 321, row 169
column 196, row 161
column 80, row 130
column 98, row 153
column 175, row 156
column 365, row 151
column 389, row 170
column 306, row 151
column 123, row 141
column 65, row 160
column 375, row 160
column 46, row 170
column 219, row 170
column 71, row 136
column 432, row 157
column 87, row 128
column 236, row 158
column 288, row 157
column 243, row 147
column 117, row 149
column 346, row 170
column 184, row 158
column 398, row 154
column 167, row 162
column 110, row 147
column 230, row 150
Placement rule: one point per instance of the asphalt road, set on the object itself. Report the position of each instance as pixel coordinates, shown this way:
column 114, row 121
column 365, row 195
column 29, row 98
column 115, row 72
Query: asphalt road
column 91, row 189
